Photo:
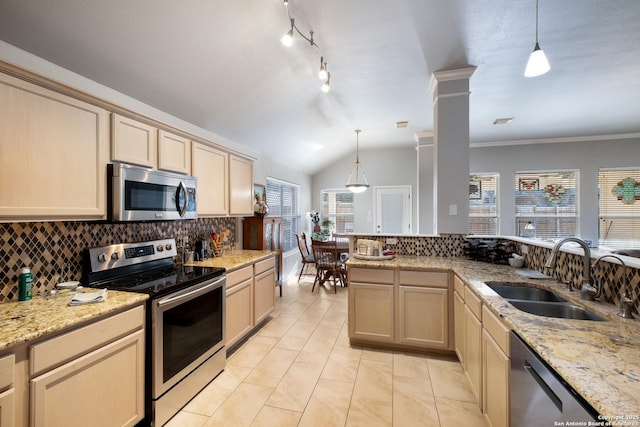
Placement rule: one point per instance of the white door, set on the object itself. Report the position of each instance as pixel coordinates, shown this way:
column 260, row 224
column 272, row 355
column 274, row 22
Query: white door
column 393, row 209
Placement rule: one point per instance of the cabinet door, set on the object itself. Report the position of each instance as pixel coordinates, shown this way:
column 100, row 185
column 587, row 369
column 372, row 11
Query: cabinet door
column 54, row 152
column 7, row 402
column 239, row 312
column 264, row 295
column 240, row 186
column 174, row 153
column 458, row 321
column 371, row 312
column 133, row 142
column 423, row 316
column 209, row 165
column 495, row 374
column 102, row 388
column 473, row 352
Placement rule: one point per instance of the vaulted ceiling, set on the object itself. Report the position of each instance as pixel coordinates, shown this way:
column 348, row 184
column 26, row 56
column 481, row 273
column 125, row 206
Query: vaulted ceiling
column 221, row 66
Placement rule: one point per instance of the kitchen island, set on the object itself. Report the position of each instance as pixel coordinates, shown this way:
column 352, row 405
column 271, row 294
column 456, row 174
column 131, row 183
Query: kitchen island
column 598, row 359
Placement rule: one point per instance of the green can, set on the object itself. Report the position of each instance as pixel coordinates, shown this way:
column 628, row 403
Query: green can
column 25, row 285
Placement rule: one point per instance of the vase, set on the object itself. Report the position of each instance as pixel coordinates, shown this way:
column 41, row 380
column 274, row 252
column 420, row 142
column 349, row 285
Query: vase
column 316, row 228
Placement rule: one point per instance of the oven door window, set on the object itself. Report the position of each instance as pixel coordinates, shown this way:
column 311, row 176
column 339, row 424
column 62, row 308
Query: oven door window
column 189, row 330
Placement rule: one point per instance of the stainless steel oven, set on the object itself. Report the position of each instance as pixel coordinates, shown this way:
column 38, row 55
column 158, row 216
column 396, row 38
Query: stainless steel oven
column 185, row 345
column 141, row 194
column 187, row 339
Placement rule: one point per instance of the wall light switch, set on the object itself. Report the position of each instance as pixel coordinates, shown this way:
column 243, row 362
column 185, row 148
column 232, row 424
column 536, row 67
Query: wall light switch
column 453, row 210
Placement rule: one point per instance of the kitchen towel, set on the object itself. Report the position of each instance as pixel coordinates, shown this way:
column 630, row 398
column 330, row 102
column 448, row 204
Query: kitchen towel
column 88, row 298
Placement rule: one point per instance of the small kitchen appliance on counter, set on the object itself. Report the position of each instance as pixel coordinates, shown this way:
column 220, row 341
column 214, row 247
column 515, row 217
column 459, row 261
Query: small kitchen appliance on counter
column 185, row 342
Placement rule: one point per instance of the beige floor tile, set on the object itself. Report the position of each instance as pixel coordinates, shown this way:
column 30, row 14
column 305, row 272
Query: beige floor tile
column 366, row 413
column 187, row 419
column 413, row 366
column 276, row 417
column 374, row 382
column 328, row 406
column 295, row 388
column 342, row 364
column 455, row 413
column 218, row 390
column 278, row 326
column 296, row 337
column 252, row 352
column 377, row 354
column 448, row 379
column 317, row 349
column 241, row 408
column 413, row 403
column 272, row 367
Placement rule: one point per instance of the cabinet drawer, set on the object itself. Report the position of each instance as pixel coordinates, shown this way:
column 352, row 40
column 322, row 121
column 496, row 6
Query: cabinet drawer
column 431, row 279
column 62, row 348
column 371, row 275
column 473, row 301
column 458, row 285
column 498, row 331
column 238, row 276
column 262, row 266
column 7, row 364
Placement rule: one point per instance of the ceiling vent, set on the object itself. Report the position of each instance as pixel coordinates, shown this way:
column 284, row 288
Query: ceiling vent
column 401, row 125
column 503, row 121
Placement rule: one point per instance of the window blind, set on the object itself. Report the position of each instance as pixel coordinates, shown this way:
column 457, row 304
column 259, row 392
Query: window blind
column 283, row 201
column 546, row 204
column 619, row 208
column 337, row 206
column 483, row 204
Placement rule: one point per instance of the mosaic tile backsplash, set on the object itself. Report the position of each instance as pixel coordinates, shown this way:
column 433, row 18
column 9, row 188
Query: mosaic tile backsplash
column 608, row 275
column 53, row 250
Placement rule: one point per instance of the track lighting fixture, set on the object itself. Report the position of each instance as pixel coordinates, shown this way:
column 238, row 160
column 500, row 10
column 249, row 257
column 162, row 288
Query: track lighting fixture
column 357, row 182
column 287, row 40
column 537, row 64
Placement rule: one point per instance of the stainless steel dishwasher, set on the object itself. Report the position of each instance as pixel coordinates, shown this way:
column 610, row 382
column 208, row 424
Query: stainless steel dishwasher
column 539, row 396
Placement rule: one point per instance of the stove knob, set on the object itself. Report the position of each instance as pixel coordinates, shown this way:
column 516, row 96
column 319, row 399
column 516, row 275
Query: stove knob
column 168, row 246
column 115, row 256
column 102, row 257
column 160, row 248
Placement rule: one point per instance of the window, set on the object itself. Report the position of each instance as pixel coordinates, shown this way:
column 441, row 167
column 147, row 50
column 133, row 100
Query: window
column 337, row 206
column 546, row 204
column 619, row 209
column 483, row 204
column 283, row 201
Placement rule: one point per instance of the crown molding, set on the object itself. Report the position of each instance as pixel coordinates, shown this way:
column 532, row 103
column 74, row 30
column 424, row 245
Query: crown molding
column 560, row 140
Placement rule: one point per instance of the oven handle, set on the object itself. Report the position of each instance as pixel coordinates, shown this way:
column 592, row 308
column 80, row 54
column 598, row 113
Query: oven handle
column 187, row 295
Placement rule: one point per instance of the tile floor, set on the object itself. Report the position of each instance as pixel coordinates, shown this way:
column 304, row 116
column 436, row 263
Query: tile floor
column 299, row 370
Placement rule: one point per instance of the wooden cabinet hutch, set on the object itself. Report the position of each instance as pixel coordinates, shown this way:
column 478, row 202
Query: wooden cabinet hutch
column 264, row 234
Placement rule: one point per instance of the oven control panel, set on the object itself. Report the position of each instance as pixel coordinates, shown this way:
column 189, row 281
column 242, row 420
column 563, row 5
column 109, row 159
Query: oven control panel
column 126, row 254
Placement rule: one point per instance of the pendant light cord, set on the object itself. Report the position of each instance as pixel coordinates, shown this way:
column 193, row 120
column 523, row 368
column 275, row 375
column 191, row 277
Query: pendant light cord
column 536, row 21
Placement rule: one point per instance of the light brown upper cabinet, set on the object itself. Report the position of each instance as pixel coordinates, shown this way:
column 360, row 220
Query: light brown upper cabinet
column 133, row 142
column 54, row 154
column 209, row 165
column 174, row 153
column 240, row 186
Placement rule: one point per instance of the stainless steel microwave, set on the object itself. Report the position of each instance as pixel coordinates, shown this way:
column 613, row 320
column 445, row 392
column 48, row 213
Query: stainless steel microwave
column 141, row 194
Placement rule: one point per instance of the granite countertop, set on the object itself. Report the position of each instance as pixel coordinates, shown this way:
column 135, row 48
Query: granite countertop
column 28, row 320
column 233, row 260
column 600, row 360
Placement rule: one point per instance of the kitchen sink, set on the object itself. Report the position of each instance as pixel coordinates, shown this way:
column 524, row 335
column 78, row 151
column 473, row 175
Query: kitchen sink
column 523, row 292
column 554, row 309
column 540, row 302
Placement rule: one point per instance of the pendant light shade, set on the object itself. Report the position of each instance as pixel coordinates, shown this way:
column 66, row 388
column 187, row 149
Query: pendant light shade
column 357, row 182
column 537, row 64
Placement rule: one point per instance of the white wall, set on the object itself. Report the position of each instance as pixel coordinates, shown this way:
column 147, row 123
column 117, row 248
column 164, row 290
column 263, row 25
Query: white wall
column 391, row 166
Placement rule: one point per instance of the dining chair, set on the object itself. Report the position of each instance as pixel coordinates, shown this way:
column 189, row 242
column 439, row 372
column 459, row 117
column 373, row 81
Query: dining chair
column 328, row 264
column 306, row 256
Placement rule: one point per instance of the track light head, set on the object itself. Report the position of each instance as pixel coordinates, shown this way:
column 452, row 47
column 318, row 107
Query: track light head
column 323, row 74
column 287, row 39
column 326, row 86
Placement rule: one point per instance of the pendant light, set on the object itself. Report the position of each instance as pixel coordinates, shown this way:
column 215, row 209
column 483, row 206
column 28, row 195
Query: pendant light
column 357, row 182
column 537, row 64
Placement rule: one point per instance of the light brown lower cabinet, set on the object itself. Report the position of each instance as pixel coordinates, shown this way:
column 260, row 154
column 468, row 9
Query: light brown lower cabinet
column 239, row 319
column 93, row 375
column 264, row 289
column 7, row 390
column 458, row 325
column 495, row 370
column 371, row 304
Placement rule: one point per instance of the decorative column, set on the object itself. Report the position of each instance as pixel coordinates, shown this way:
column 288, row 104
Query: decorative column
column 450, row 89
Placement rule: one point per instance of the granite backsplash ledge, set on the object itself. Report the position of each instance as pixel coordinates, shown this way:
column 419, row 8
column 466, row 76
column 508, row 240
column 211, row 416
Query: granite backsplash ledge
column 49, row 248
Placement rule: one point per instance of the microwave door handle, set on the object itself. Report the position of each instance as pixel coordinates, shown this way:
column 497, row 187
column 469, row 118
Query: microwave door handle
column 182, row 189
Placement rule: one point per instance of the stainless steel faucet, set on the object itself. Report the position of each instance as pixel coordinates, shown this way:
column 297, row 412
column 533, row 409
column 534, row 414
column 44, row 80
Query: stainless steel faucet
column 587, row 291
column 626, row 303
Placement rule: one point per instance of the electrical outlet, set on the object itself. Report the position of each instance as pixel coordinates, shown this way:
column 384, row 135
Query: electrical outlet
column 524, row 249
column 391, row 241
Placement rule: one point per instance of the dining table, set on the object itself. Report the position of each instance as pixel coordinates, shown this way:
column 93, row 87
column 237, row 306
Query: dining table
column 342, row 248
